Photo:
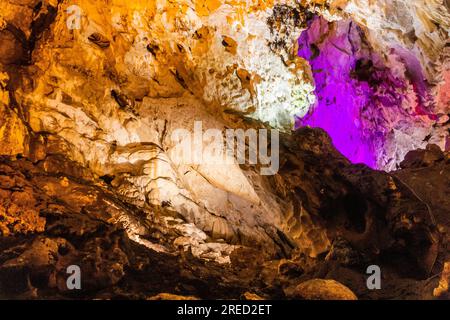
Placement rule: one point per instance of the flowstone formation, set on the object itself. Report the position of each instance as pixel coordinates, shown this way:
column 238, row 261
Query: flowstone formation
column 93, row 93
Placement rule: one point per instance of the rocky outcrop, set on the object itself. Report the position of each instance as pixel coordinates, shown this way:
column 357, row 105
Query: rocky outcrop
column 80, row 220
column 376, row 107
column 96, row 100
column 318, row 289
column 121, row 250
column 442, row 291
column 355, row 202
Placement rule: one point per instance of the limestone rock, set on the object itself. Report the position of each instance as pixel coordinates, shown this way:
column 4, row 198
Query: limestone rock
column 320, row 289
column 252, row 296
column 94, row 104
column 442, row 290
column 169, row 296
column 422, row 158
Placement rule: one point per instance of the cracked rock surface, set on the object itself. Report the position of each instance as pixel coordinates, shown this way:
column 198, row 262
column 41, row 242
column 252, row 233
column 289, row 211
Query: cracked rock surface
column 90, row 173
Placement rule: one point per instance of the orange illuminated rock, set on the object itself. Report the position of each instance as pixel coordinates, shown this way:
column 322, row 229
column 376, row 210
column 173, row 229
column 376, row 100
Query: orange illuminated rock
column 88, row 170
column 319, row 289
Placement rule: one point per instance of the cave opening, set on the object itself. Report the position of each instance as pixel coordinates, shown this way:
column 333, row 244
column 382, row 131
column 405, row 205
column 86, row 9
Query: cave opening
column 360, row 93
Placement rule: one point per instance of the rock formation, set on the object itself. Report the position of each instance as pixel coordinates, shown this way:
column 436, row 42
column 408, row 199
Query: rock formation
column 96, row 99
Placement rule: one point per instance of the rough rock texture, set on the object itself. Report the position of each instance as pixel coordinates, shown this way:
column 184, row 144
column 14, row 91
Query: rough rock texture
column 420, row 26
column 90, row 174
column 376, row 108
column 85, row 222
column 318, row 289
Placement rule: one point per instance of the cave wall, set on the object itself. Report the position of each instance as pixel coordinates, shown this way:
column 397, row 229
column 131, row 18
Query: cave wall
column 109, row 94
column 376, row 106
column 93, row 108
column 232, row 56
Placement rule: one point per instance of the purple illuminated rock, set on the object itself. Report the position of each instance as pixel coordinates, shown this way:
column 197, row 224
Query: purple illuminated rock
column 371, row 106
